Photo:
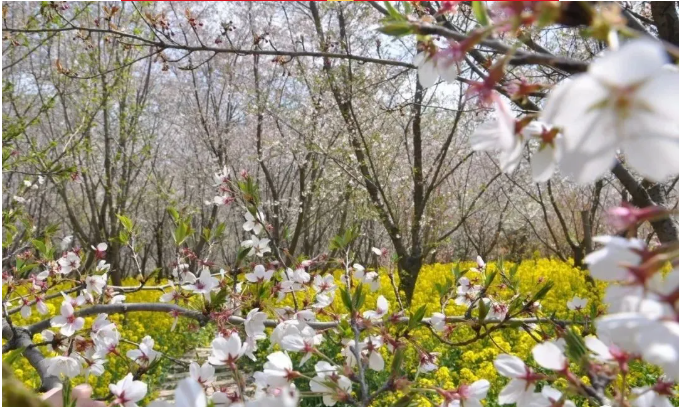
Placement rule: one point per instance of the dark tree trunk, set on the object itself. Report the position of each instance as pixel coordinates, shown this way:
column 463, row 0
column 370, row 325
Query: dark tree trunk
column 409, row 267
column 666, row 20
column 666, row 229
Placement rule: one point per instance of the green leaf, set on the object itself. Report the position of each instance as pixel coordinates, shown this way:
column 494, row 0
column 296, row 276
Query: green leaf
column 541, row 292
column 404, row 401
column 394, row 14
column 346, row 299
column 479, row 10
column 39, row 245
column 218, row 299
column 397, row 362
column 417, row 317
column 576, row 347
column 489, row 279
column 359, row 297
column 12, row 356
column 125, row 221
column 396, row 28
column 242, row 254
column 173, row 213
column 483, row 310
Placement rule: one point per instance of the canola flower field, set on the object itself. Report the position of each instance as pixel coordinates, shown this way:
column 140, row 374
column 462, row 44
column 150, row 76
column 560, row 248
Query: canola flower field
column 464, row 364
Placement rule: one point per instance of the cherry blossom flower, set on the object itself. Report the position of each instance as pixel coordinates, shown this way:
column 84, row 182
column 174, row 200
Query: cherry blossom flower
column 299, row 275
column 622, row 329
column 372, row 279
column 521, row 388
column 221, row 200
column 577, row 303
column 655, row 396
column 68, row 263
column 305, row 341
column 106, row 345
column 428, row 362
column 171, row 296
column 254, row 324
column 188, row 393
column 641, row 299
column 324, row 284
column 117, row 299
column 466, row 293
column 102, row 265
column 182, row 273
column 100, row 250
column 67, row 321
column 323, row 300
column 95, row 284
column 128, row 391
column 504, row 134
column 25, row 308
column 226, row 351
column 203, row 374
column 66, row 243
column 481, row 265
column 257, row 246
column 359, row 271
column 253, row 224
column 222, row 177
column 658, row 343
column 606, row 352
column 63, row 365
column 325, row 373
column 627, row 100
column 549, row 152
column 610, row 262
column 626, row 216
column 438, row 321
column 204, row 284
column 427, row 69
column 550, row 356
column 278, row 370
column 101, row 327
column 144, row 355
column 259, row 275
column 553, row 396
column 381, row 309
column 470, row 395
column 371, row 347
column 48, row 336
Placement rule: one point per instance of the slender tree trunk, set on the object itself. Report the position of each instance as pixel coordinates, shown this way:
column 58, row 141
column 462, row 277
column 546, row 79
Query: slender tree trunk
column 409, row 268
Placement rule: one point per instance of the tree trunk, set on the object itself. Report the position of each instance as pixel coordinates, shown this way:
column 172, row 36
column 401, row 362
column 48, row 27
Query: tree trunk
column 409, row 267
column 666, row 20
column 666, row 229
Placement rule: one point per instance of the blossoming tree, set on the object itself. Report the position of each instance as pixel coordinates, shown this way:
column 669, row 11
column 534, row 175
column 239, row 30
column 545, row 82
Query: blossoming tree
column 620, row 107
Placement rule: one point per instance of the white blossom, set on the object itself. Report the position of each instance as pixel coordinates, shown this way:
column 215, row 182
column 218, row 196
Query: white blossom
column 128, row 391
column 627, row 100
column 259, row 275
column 67, row 321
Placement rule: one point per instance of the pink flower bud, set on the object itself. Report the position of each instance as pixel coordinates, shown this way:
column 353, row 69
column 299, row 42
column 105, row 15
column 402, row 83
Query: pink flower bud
column 626, row 216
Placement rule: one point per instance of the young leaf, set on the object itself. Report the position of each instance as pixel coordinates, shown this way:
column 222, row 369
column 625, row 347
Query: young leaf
column 489, row 279
column 483, row 310
column 12, row 356
column 394, row 14
column 126, row 222
column 479, row 10
column 346, row 299
column 173, row 213
column 417, row 317
column 397, row 362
